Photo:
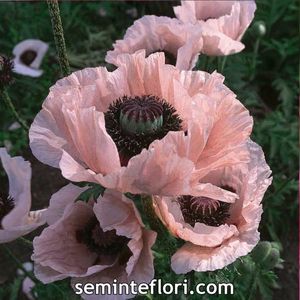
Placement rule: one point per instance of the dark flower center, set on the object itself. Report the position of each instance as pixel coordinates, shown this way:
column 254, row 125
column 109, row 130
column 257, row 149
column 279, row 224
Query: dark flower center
column 28, row 57
column 204, row 210
column 6, row 67
column 103, row 242
column 135, row 122
column 6, row 206
column 138, row 116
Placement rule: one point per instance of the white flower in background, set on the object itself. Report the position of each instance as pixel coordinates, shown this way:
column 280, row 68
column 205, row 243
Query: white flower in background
column 27, row 284
column 28, row 57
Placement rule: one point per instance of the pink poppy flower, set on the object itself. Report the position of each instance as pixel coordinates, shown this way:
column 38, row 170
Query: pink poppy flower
column 16, row 219
column 93, row 242
column 223, row 23
column 160, row 34
column 147, row 127
column 218, row 232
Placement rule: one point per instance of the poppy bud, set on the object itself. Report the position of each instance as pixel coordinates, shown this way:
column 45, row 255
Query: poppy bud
column 272, row 259
column 260, row 28
column 261, row 251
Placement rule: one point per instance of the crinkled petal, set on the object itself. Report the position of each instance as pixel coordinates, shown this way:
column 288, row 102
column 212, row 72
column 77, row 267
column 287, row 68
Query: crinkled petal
column 215, row 43
column 203, row 235
column 156, row 34
column 153, row 172
column 58, row 202
column 222, row 23
column 201, row 259
column 19, row 176
column 143, row 271
column 57, row 247
column 192, row 11
column 95, row 147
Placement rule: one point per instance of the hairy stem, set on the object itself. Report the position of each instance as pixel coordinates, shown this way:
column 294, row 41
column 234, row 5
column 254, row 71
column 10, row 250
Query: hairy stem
column 25, row 241
column 6, row 99
column 254, row 58
column 59, row 36
column 156, row 225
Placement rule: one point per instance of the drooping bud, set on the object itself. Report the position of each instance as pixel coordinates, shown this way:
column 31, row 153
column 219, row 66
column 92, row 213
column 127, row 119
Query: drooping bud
column 245, row 265
column 267, row 255
column 261, row 251
column 271, row 260
column 260, row 28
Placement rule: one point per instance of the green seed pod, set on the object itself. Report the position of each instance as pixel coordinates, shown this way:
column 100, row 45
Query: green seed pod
column 261, row 251
column 272, row 259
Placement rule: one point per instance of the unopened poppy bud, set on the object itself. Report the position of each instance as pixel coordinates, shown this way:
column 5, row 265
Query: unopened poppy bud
column 260, row 28
column 261, row 251
column 272, row 259
column 246, row 266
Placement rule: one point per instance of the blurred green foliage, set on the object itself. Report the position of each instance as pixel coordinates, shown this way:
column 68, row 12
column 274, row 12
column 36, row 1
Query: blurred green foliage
column 264, row 76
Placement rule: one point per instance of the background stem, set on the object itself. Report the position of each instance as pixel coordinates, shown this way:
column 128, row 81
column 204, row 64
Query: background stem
column 6, row 99
column 59, row 36
column 19, row 264
column 156, row 225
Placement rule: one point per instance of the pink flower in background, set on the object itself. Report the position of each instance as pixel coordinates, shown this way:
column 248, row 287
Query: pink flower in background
column 16, row 219
column 93, row 242
column 222, row 23
column 147, row 127
column 178, row 41
column 218, row 232
column 27, row 284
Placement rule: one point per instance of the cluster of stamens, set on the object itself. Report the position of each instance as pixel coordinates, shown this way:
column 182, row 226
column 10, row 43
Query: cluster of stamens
column 204, row 205
column 135, row 122
column 204, row 210
column 28, row 57
column 102, row 242
column 138, row 116
column 6, row 206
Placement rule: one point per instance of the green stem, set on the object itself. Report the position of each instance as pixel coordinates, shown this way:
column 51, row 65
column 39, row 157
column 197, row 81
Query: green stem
column 19, row 264
column 25, row 241
column 223, row 63
column 156, row 225
column 253, row 287
column 191, row 279
column 59, row 36
column 254, row 58
column 5, row 97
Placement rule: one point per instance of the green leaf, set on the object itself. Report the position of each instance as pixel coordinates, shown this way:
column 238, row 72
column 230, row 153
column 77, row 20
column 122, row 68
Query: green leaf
column 93, row 192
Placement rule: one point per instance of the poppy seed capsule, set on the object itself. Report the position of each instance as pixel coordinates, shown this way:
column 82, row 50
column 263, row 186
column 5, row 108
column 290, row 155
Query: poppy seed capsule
column 141, row 116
